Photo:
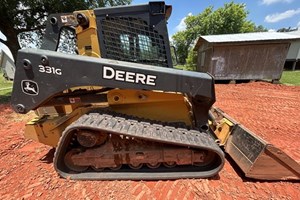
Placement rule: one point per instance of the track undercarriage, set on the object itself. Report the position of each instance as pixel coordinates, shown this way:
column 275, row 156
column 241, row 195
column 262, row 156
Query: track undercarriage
column 101, row 145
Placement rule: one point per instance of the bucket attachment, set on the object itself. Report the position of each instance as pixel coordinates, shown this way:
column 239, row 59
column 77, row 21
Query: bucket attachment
column 257, row 158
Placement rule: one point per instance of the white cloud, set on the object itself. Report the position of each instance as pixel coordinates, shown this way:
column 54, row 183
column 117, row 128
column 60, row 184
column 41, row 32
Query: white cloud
column 271, row 30
column 182, row 26
column 269, row 2
column 298, row 25
column 281, row 16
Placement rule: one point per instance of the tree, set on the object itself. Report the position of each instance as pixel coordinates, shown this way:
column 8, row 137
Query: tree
column 25, row 19
column 232, row 18
column 181, row 43
column 289, row 29
column 260, row 28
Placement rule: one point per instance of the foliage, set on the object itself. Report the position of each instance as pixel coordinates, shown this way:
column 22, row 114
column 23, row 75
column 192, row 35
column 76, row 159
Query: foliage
column 289, row 29
column 4, row 83
column 232, row 18
column 5, row 89
column 67, row 42
column 191, row 60
column 181, row 43
column 260, row 28
column 26, row 18
column 290, row 78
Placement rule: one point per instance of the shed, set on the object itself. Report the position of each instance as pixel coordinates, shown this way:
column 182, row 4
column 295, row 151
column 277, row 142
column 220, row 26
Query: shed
column 7, row 66
column 293, row 56
column 245, row 56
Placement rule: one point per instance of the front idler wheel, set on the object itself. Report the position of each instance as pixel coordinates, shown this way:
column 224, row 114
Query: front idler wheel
column 88, row 138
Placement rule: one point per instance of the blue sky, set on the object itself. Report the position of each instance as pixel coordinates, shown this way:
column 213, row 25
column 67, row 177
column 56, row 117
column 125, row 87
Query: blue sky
column 272, row 14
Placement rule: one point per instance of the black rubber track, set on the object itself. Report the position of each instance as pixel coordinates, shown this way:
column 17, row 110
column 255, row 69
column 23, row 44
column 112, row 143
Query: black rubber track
column 129, row 126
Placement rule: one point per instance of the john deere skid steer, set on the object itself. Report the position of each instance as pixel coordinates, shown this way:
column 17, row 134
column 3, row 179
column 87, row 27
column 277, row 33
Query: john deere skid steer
column 119, row 110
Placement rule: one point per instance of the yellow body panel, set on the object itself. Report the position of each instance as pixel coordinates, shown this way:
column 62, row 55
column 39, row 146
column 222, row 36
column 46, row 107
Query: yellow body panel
column 48, row 129
column 223, row 130
column 161, row 106
column 87, row 38
column 167, row 107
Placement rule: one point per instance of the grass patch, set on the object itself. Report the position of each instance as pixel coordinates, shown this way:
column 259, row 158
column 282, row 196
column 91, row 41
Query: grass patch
column 184, row 67
column 179, row 67
column 290, row 78
column 5, row 89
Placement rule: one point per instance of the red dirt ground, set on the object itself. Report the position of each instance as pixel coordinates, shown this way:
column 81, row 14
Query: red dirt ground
column 271, row 111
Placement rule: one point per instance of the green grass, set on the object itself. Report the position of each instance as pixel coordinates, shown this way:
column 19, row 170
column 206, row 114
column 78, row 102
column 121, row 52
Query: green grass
column 179, row 66
column 290, row 78
column 5, row 89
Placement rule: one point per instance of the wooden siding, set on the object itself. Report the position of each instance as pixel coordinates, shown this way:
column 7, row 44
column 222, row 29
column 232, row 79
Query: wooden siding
column 244, row 61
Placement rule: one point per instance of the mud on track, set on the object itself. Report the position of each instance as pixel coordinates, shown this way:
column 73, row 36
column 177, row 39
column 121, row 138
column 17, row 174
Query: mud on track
column 271, row 111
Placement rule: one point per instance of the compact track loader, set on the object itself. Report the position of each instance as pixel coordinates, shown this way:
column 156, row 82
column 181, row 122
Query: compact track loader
column 119, row 110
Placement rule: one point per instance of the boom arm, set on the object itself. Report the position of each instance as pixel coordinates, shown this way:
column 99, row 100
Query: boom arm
column 40, row 77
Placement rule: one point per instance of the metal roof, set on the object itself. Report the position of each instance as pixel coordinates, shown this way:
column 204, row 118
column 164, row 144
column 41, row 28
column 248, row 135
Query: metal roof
column 243, row 37
column 297, row 32
column 246, row 37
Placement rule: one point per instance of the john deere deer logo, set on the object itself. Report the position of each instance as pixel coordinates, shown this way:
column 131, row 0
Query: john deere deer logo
column 30, row 87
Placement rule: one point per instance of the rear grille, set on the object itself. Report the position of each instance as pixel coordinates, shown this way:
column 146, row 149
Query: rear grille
column 131, row 39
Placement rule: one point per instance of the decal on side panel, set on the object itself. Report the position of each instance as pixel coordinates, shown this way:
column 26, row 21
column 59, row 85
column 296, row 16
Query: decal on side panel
column 130, row 77
column 30, row 87
column 50, row 70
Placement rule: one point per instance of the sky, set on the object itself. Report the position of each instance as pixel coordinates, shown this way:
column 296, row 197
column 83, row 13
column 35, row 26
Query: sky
column 272, row 14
